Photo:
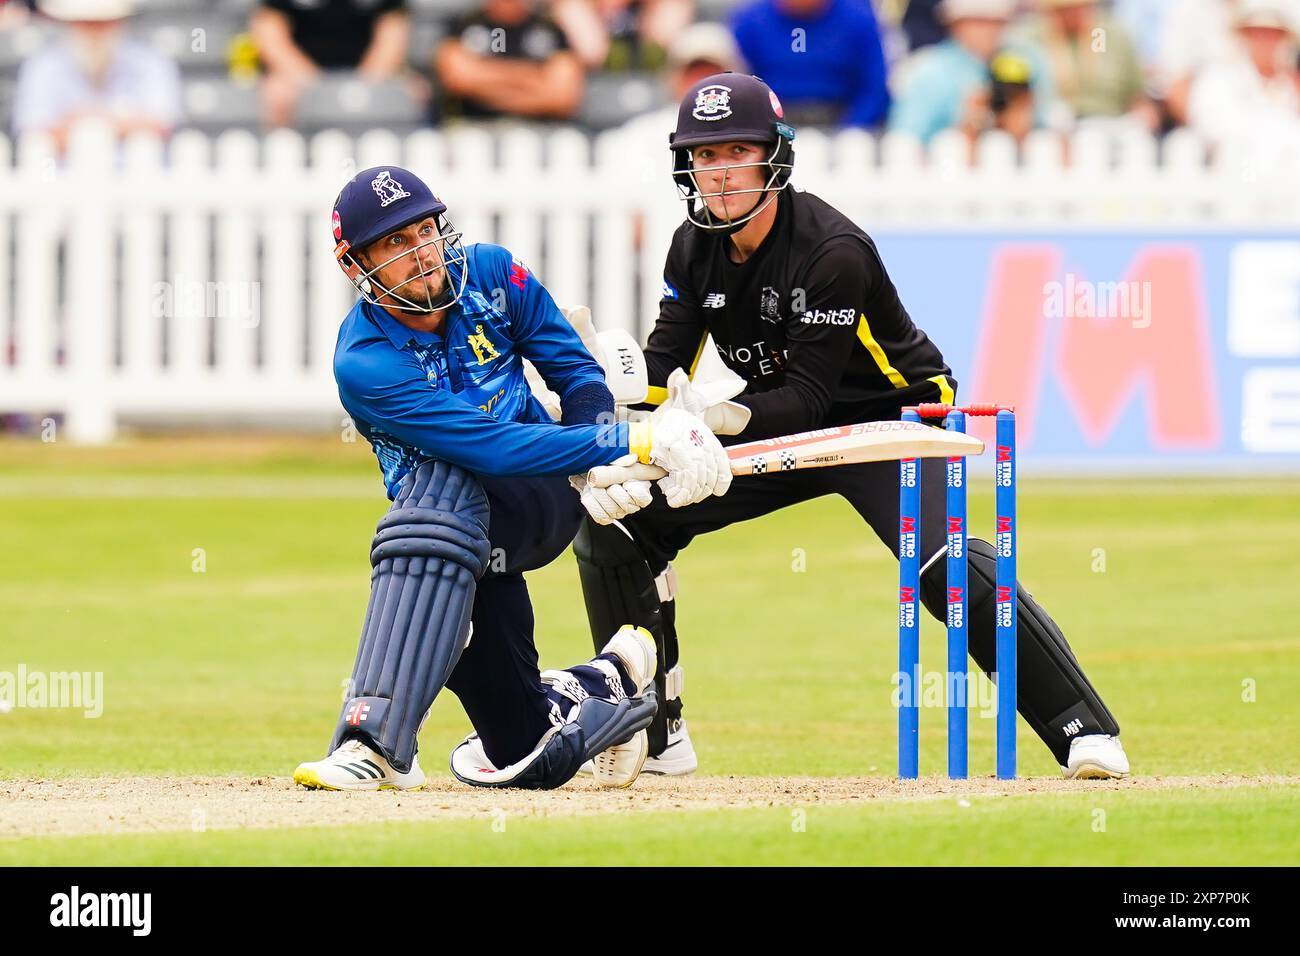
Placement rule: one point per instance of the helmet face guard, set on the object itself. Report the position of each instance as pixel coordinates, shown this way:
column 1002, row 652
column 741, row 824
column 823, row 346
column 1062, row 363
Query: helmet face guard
column 778, row 166
column 450, row 261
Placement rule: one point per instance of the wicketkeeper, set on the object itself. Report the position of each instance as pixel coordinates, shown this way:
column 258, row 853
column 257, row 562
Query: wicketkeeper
column 802, row 311
column 429, row 364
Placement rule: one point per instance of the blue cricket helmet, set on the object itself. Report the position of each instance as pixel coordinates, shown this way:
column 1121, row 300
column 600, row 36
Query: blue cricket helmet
column 382, row 200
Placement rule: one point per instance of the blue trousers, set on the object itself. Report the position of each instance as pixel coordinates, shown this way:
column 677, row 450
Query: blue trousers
column 532, row 521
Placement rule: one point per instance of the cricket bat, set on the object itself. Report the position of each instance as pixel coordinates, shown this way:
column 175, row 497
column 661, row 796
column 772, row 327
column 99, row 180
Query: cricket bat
column 822, row 448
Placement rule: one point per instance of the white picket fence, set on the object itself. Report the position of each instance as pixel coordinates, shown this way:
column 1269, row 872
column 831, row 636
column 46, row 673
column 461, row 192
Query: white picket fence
column 196, row 281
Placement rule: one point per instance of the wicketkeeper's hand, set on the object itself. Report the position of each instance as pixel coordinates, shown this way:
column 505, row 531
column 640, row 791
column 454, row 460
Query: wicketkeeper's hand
column 709, row 403
column 607, row 505
column 682, row 445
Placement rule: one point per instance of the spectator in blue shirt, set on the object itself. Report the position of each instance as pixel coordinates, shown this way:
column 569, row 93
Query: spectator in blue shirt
column 823, row 58
column 947, row 85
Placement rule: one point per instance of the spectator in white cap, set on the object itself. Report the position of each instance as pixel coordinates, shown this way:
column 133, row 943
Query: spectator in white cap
column 702, row 49
column 1193, row 34
column 946, row 85
column 1252, row 98
column 93, row 70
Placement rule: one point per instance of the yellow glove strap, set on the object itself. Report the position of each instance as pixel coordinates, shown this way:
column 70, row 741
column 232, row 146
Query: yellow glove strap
column 639, row 441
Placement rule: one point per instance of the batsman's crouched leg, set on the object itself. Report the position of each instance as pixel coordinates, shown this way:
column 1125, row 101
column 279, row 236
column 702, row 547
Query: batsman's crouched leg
column 1054, row 695
column 599, row 711
column 427, row 555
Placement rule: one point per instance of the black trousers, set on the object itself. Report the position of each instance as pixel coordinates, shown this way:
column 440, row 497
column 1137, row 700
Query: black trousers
column 1054, row 696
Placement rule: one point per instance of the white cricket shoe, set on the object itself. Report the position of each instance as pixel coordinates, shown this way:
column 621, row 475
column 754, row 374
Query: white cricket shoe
column 354, row 766
column 619, row 765
column 678, row 758
column 1096, row 757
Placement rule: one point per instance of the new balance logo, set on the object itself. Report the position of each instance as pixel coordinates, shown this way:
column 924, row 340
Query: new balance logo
column 1073, row 727
column 715, row 300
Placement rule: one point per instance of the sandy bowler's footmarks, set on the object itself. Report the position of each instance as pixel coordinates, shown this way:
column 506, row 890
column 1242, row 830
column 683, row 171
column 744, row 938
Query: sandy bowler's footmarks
column 106, row 805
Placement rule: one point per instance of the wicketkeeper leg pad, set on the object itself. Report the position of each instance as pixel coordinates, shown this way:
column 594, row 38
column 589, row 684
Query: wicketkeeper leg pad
column 427, row 555
column 619, row 588
column 1054, row 695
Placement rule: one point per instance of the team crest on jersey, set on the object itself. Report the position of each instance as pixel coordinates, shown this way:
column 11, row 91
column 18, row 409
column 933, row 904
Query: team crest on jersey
column 712, row 102
column 388, row 189
column 483, row 348
column 769, row 305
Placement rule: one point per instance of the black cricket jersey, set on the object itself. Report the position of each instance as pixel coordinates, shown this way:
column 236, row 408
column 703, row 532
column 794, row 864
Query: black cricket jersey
column 810, row 320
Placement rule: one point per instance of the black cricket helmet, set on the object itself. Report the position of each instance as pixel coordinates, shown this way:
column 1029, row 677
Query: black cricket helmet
column 727, row 108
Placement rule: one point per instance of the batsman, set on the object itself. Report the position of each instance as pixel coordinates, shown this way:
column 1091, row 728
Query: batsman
column 810, row 328
column 430, row 365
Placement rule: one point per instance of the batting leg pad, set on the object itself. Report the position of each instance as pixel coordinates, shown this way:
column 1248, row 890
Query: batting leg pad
column 619, row 588
column 1054, row 695
column 427, row 555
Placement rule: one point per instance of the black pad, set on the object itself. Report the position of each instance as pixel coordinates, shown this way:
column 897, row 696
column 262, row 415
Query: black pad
column 427, row 554
column 619, row 588
column 1054, row 695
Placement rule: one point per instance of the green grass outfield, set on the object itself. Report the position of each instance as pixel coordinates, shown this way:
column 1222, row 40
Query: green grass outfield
column 1242, row 827
column 219, row 585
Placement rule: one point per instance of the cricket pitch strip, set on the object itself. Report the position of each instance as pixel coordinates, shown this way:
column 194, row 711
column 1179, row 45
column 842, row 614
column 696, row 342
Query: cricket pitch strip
column 87, row 806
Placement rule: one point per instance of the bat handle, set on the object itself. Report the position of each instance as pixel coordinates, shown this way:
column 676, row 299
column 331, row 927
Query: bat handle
column 602, row 476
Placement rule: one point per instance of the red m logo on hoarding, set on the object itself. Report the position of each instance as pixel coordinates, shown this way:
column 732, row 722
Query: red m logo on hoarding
column 1099, row 362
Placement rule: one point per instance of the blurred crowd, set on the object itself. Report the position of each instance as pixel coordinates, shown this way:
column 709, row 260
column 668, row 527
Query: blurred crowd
column 1228, row 69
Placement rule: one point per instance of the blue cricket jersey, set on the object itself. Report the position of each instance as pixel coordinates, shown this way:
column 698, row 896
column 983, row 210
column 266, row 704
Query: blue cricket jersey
column 460, row 396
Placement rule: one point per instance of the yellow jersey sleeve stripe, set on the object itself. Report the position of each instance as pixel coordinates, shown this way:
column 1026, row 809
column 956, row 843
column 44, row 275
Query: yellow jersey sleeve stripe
column 698, row 353
column 947, row 395
column 882, row 361
column 657, row 395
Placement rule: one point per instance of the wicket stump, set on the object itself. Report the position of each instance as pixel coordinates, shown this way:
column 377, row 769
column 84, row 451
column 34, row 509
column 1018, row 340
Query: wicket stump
column 909, row 594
